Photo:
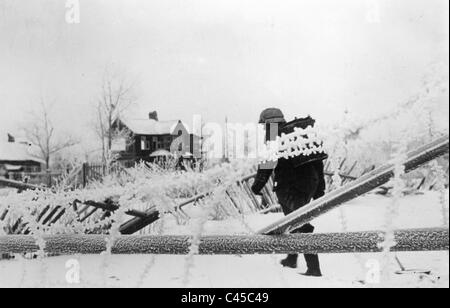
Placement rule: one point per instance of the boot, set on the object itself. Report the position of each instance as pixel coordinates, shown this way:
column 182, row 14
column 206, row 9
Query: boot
column 290, row 261
column 312, row 262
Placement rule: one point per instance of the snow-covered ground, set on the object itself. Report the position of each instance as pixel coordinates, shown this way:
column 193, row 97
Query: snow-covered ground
column 340, row 270
column 5, row 191
column 344, row 270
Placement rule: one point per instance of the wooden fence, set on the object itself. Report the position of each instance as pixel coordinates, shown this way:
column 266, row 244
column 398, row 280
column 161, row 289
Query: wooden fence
column 96, row 172
column 238, row 197
column 353, row 188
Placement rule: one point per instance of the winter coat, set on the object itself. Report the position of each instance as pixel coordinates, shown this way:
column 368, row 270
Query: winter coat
column 307, row 179
column 300, row 177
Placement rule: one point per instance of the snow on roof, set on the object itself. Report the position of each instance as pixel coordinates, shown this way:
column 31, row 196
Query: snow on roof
column 159, row 153
column 12, row 167
column 10, row 151
column 151, row 127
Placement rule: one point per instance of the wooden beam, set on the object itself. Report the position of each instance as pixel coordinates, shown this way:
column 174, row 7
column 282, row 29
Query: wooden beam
column 356, row 242
column 114, row 207
column 138, row 223
column 152, row 214
column 352, row 190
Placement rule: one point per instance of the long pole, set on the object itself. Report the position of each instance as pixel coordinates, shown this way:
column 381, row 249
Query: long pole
column 355, row 242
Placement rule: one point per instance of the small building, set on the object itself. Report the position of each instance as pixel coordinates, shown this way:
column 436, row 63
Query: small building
column 150, row 135
column 17, row 157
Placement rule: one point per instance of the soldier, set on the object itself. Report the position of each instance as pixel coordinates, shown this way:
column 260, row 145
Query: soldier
column 295, row 184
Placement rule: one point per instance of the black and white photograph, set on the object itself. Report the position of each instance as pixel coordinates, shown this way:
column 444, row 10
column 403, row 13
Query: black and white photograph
column 224, row 149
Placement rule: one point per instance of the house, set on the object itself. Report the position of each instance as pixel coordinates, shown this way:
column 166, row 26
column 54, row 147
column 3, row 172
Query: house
column 17, row 156
column 149, row 135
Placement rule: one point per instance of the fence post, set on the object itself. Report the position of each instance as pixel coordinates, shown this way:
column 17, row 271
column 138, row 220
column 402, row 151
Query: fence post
column 84, row 175
column 49, row 178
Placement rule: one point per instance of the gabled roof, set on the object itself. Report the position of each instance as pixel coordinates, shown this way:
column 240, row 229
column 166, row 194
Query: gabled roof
column 151, row 127
column 11, row 151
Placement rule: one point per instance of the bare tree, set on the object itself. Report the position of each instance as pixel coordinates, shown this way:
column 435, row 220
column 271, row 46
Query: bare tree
column 40, row 131
column 117, row 95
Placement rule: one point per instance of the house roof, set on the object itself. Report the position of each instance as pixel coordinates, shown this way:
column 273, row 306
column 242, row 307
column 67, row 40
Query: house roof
column 10, row 151
column 151, row 127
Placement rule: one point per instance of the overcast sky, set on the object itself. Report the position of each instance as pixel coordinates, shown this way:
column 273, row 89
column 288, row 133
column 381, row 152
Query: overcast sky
column 219, row 57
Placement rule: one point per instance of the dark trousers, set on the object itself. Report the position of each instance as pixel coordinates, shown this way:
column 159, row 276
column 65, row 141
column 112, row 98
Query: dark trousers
column 291, row 200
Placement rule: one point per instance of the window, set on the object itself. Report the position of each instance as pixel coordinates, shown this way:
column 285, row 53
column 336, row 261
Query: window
column 160, row 142
column 145, row 144
column 167, row 142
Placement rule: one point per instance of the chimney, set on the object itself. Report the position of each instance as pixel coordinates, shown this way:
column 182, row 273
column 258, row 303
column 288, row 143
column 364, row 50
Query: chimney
column 153, row 115
column 11, row 138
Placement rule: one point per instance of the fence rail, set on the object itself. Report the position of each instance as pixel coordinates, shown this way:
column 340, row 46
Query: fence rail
column 354, row 242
